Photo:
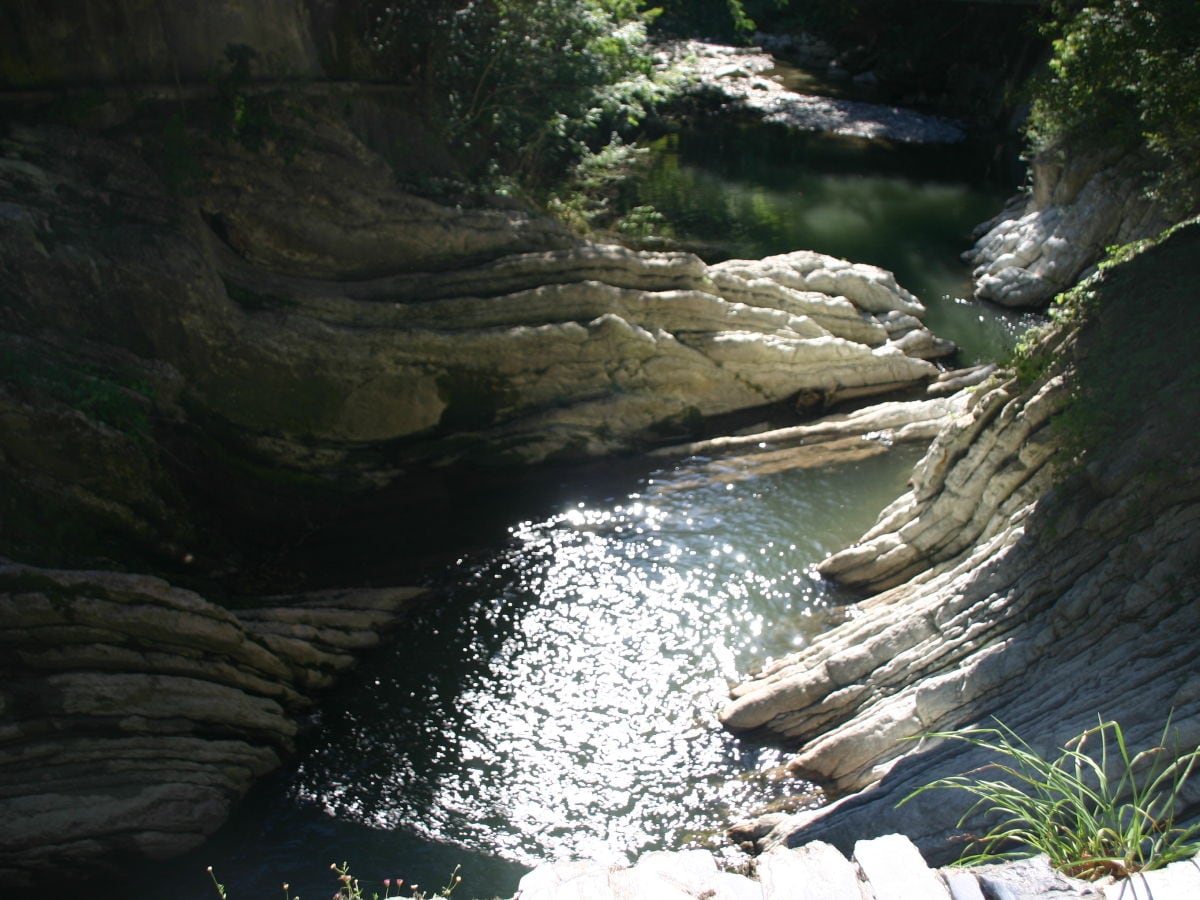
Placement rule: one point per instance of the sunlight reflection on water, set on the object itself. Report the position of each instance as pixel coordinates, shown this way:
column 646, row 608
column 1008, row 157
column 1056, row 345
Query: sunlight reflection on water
column 562, row 700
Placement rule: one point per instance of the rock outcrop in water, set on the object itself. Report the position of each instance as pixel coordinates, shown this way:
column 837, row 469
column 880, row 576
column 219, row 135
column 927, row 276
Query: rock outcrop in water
column 135, row 713
column 1048, row 238
column 1014, row 581
column 741, row 76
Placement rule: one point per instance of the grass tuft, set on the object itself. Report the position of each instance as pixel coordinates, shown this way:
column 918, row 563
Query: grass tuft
column 1095, row 810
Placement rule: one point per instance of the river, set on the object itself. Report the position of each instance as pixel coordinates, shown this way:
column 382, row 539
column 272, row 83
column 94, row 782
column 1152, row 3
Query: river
column 557, row 697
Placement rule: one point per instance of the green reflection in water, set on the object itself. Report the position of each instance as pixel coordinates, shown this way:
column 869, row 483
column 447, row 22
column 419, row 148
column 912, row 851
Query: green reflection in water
column 751, row 190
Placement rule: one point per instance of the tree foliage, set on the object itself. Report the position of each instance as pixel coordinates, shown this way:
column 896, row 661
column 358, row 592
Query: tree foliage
column 518, row 86
column 1126, row 72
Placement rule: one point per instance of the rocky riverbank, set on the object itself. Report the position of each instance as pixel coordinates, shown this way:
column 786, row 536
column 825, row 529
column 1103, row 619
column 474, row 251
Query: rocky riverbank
column 1033, row 574
column 265, row 342
column 741, row 76
column 1053, row 234
column 136, row 714
column 194, row 368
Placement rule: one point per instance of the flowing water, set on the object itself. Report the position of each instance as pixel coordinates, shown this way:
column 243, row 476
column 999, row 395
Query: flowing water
column 557, row 696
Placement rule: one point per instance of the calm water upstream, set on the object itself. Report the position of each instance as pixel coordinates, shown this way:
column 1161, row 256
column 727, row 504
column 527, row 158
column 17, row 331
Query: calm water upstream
column 558, row 696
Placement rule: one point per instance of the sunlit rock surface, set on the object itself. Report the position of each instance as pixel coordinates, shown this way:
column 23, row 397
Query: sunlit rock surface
column 320, row 316
column 1048, row 238
column 134, row 714
column 741, row 75
column 1013, row 582
column 889, row 866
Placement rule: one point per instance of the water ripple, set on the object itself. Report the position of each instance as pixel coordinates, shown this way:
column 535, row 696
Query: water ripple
column 559, row 699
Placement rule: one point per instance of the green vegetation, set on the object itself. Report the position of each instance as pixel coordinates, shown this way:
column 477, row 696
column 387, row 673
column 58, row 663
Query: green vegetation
column 714, row 18
column 522, row 89
column 1138, row 322
column 1094, row 814
column 1126, row 74
column 116, row 400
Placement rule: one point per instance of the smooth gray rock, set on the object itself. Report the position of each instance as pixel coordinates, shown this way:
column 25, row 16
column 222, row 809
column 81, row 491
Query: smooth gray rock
column 962, row 885
column 1031, row 879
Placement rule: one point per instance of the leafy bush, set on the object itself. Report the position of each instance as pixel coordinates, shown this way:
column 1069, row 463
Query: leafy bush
column 519, row 87
column 1093, row 815
column 1126, row 73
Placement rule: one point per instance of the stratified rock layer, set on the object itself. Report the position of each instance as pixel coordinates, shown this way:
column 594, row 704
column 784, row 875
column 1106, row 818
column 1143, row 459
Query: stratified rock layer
column 1006, row 596
column 1052, row 236
column 134, row 714
column 303, row 320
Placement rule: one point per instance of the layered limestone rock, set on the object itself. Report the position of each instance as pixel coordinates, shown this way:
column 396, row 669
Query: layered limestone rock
column 1051, row 236
column 292, row 324
column 326, row 322
column 1009, row 592
column 134, row 714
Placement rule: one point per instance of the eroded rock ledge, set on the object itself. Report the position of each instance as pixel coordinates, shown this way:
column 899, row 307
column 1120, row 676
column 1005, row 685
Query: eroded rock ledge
column 1008, row 591
column 135, row 713
column 305, row 321
column 1051, row 236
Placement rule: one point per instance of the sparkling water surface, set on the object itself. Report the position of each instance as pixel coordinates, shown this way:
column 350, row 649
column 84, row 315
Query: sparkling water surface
column 556, row 697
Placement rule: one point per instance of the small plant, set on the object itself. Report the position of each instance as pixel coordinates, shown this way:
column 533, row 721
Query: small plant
column 1109, row 813
column 350, row 888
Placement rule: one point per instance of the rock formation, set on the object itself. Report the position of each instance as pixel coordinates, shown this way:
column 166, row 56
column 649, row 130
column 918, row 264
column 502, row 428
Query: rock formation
column 888, row 866
column 1016, row 580
column 198, row 337
column 135, row 713
column 1046, row 239
column 307, row 318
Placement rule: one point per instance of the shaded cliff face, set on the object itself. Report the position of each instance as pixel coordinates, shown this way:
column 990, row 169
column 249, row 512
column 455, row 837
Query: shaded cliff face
column 162, row 43
column 1040, row 609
